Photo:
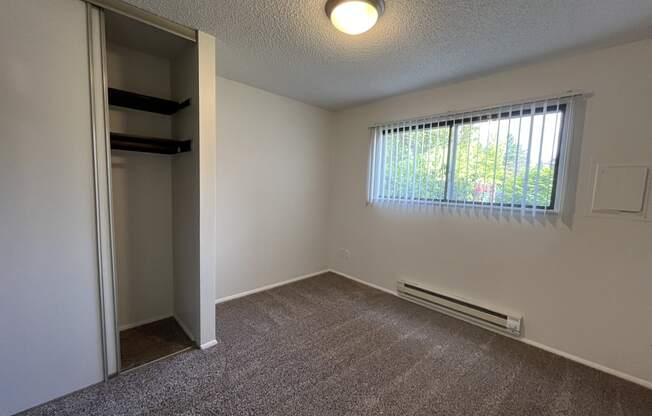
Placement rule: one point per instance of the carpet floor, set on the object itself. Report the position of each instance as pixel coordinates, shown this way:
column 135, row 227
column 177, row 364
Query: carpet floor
column 330, row 346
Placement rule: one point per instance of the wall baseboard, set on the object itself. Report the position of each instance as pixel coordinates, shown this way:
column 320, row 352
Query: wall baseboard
column 272, row 286
column 208, row 344
column 588, row 363
column 144, row 322
column 355, row 279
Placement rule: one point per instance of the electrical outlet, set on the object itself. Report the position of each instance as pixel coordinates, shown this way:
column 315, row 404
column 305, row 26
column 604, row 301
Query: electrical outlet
column 345, row 254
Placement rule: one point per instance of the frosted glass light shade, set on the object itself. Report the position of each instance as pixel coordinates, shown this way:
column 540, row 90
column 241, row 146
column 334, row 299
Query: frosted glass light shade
column 354, row 16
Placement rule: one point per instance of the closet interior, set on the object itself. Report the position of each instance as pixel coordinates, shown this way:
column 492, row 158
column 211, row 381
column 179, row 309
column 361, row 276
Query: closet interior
column 153, row 124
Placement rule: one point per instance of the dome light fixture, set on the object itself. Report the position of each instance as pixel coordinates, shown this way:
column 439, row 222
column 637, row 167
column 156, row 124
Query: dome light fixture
column 354, row 16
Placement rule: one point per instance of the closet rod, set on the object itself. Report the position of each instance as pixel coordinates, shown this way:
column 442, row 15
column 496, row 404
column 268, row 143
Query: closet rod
column 133, row 143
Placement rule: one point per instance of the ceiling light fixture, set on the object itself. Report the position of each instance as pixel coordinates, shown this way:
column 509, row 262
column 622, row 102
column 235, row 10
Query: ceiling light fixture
column 354, row 16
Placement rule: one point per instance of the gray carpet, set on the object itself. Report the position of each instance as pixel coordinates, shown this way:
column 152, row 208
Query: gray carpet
column 329, row 346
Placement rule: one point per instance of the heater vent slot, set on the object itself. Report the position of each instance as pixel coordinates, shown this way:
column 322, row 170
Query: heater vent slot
column 460, row 308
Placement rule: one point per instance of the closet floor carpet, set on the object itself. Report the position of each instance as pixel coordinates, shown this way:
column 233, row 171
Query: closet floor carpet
column 330, row 346
column 146, row 343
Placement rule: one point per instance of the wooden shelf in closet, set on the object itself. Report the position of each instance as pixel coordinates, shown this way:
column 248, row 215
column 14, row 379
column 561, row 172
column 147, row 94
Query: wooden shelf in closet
column 135, row 101
column 129, row 142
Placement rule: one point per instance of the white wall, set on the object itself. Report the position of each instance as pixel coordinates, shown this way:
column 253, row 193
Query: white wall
column 142, row 211
column 585, row 291
column 185, row 195
column 142, row 193
column 272, row 188
column 139, row 72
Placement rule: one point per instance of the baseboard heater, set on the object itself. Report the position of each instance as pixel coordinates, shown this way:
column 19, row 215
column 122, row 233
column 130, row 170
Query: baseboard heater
column 460, row 308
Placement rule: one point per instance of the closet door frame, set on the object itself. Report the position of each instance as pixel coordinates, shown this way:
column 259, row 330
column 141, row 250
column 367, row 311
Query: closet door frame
column 101, row 146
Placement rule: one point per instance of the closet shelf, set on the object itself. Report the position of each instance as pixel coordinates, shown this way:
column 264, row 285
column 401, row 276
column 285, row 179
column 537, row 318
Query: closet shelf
column 129, row 142
column 121, row 98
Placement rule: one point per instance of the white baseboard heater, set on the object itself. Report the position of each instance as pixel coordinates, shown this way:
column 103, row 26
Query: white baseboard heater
column 460, row 308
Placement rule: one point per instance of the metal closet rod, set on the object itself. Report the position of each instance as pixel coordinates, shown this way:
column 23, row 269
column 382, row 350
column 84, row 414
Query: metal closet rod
column 118, row 6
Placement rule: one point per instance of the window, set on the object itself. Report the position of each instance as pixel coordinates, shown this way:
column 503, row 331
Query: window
column 508, row 157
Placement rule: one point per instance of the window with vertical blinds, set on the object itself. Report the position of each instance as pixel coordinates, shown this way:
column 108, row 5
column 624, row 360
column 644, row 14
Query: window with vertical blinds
column 509, row 158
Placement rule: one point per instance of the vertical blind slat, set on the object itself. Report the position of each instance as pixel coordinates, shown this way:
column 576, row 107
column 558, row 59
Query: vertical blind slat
column 517, row 158
column 443, row 161
column 392, row 171
column 372, row 167
column 492, row 190
column 526, row 174
column 413, row 155
column 565, row 147
column 451, row 164
column 425, row 148
column 381, row 164
column 506, row 157
column 399, row 165
column 553, row 147
column 432, row 179
column 485, row 156
column 476, row 143
column 467, row 184
column 535, row 201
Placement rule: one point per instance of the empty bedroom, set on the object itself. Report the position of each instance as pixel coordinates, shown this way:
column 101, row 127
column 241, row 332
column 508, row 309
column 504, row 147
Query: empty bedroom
column 326, row 207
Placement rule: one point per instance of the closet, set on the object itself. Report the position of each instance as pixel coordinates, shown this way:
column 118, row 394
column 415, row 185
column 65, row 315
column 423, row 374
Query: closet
column 107, row 176
column 151, row 112
column 153, row 107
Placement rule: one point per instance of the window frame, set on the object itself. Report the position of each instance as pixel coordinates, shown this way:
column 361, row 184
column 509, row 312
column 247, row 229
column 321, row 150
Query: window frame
column 562, row 107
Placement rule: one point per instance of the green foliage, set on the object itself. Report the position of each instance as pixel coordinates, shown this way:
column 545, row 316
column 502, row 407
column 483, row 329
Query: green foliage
column 416, row 166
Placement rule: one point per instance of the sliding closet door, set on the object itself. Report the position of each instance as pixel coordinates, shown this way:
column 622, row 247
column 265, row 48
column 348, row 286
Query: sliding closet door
column 50, row 332
column 102, row 177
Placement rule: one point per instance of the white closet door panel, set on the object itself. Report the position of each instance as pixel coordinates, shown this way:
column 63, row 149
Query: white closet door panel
column 49, row 309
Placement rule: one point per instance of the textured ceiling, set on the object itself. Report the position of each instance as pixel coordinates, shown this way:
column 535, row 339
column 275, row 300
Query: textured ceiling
column 290, row 48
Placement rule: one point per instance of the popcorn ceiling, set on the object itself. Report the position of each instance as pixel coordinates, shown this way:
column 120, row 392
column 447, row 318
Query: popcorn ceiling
column 290, row 48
